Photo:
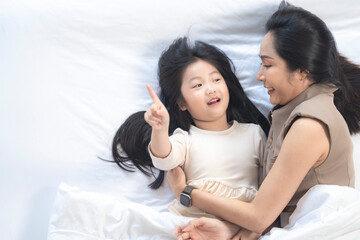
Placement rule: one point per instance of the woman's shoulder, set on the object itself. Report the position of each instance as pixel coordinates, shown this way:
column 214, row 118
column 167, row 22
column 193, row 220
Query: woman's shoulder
column 319, row 102
column 308, row 124
column 317, row 111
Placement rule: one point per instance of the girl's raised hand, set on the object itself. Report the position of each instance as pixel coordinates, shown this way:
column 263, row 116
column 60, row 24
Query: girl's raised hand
column 157, row 115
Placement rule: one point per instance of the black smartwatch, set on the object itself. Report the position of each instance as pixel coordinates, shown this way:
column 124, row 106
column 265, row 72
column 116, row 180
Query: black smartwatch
column 185, row 198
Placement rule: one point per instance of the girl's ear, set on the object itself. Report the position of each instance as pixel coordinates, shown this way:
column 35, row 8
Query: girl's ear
column 181, row 105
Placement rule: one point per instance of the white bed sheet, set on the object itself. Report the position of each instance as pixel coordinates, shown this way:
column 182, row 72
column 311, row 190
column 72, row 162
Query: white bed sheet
column 72, row 71
column 81, row 215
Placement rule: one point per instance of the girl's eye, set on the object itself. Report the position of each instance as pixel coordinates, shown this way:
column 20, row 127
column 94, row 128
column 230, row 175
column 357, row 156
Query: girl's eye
column 197, row 85
column 217, row 80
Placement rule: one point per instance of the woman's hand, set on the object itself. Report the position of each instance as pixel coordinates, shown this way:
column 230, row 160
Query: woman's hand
column 157, row 115
column 245, row 234
column 207, row 228
column 176, row 180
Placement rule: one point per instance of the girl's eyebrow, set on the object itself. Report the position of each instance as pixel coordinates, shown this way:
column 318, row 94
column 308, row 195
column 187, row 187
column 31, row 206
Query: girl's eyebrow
column 193, row 78
column 213, row 72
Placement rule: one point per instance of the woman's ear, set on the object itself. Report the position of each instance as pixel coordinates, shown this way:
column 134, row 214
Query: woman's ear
column 303, row 73
column 181, row 104
column 304, row 77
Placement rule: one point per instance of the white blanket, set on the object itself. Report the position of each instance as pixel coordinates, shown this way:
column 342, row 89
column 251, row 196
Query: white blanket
column 71, row 71
column 324, row 212
column 81, row 215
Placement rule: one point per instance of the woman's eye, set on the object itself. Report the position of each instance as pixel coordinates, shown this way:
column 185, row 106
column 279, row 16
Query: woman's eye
column 197, row 85
column 217, row 80
column 265, row 65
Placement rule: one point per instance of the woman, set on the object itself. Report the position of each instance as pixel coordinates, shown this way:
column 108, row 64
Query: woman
column 316, row 95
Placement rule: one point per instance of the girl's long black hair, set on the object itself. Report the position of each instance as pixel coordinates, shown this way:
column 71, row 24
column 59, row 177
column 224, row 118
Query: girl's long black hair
column 130, row 143
column 304, row 41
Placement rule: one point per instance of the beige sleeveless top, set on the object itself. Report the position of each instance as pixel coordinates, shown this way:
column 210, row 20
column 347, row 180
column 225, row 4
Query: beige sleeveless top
column 315, row 102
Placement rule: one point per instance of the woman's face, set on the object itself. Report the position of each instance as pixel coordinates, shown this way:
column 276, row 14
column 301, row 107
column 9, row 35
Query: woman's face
column 282, row 85
column 204, row 95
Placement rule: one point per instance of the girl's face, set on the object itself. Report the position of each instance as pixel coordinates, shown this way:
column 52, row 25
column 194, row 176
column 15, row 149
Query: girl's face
column 205, row 95
column 282, row 85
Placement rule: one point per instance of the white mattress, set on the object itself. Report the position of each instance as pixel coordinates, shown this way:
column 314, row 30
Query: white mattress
column 72, row 71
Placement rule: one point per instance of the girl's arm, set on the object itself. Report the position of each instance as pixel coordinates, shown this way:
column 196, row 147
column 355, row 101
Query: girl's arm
column 297, row 156
column 158, row 118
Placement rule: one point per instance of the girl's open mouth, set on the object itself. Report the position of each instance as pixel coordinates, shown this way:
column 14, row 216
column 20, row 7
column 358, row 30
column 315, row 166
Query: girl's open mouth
column 214, row 101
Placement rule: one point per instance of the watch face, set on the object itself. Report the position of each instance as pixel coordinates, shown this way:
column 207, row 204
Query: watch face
column 185, row 200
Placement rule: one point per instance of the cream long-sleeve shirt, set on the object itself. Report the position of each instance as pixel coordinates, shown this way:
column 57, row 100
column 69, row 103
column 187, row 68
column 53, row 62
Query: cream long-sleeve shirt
column 220, row 162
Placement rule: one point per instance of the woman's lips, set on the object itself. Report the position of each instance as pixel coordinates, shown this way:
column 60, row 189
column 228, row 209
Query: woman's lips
column 270, row 90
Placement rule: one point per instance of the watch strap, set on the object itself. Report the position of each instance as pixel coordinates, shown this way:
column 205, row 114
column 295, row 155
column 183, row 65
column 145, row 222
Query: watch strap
column 188, row 189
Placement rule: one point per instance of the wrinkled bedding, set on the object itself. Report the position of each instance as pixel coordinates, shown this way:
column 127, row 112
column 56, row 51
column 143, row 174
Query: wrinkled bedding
column 70, row 74
column 82, row 215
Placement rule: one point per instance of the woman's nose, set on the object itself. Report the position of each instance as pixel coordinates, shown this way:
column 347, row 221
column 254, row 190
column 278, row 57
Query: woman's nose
column 260, row 76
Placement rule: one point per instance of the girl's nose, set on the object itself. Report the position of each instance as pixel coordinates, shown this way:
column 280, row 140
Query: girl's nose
column 210, row 89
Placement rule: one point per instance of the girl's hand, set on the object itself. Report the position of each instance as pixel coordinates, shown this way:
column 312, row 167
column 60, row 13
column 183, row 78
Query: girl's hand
column 157, row 115
column 176, row 180
column 207, row 228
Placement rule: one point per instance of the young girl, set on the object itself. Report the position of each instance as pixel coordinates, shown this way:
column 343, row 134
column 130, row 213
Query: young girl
column 213, row 126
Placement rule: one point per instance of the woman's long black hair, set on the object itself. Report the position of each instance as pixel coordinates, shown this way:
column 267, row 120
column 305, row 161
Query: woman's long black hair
column 304, row 41
column 130, row 143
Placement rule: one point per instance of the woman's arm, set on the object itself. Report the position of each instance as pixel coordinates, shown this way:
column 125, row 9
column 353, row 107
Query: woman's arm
column 297, row 156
